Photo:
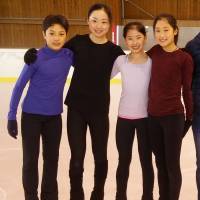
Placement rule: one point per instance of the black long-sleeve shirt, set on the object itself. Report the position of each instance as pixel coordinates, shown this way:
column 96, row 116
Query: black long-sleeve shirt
column 89, row 90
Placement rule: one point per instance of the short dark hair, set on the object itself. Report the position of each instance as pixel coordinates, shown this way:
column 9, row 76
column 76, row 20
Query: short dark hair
column 50, row 20
column 134, row 26
column 100, row 6
column 172, row 22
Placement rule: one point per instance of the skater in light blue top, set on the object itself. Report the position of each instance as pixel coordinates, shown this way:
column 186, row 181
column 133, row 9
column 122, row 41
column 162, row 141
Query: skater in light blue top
column 135, row 69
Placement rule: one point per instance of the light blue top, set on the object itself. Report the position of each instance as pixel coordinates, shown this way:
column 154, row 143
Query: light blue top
column 135, row 83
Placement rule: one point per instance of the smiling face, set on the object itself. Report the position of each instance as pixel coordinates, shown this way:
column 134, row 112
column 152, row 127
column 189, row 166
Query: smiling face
column 135, row 41
column 165, row 34
column 55, row 37
column 99, row 24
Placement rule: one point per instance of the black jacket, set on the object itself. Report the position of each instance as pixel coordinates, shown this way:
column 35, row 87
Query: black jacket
column 193, row 47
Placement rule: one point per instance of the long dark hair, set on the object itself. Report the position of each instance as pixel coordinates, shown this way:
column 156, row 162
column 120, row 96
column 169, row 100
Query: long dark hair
column 100, row 6
column 134, row 26
column 172, row 22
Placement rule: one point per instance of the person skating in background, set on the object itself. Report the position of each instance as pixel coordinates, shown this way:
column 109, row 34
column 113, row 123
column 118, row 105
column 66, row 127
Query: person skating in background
column 171, row 73
column 42, row 108
column 193, row 47
column 135, row 69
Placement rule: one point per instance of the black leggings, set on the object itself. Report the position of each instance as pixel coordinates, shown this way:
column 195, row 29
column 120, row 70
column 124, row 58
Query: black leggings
column 49, row 128
column 125, row 132
column 77, row 124
column 166, row 140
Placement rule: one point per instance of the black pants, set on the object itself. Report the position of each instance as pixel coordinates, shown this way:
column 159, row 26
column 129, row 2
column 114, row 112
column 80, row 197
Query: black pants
column 125, row 132
column 49, row 128
column 77, row 124
column 166, row 139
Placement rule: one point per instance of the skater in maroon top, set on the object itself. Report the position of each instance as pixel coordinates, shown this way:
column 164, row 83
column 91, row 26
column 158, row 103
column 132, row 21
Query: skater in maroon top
column 171, row 73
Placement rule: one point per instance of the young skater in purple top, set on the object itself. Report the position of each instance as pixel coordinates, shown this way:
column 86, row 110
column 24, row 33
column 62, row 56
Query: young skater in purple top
column 135, row 69
column 42, row 108
column 171, row 78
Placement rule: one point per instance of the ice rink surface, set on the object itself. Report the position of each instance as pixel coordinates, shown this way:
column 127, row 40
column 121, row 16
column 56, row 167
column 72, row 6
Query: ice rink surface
column 11, row 159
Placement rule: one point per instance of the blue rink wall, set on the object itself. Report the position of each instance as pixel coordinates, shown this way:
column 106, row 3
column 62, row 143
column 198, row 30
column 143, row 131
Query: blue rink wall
column 11, row 64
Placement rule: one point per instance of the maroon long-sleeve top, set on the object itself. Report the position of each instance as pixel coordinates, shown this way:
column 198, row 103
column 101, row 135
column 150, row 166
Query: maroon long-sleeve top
column 171, row 74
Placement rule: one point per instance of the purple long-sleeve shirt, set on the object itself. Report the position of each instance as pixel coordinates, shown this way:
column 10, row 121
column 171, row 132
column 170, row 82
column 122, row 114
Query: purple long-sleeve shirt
column 47, row 77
